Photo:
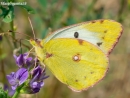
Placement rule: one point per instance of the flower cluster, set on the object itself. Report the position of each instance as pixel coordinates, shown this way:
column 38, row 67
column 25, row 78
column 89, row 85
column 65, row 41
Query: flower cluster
column 38, row 75
column 30, row 79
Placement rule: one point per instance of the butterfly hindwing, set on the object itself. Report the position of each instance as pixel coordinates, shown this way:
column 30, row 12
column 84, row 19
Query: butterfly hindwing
column 76, row 63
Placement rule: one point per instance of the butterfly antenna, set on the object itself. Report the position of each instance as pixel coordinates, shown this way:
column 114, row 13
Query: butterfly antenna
column 8, row 33
column 32, row 27
column 20, row 33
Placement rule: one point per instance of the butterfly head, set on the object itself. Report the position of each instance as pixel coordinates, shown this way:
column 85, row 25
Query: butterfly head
column 36, row 42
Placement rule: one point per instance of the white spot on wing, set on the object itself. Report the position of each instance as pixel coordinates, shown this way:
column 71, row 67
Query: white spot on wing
column 76, row 58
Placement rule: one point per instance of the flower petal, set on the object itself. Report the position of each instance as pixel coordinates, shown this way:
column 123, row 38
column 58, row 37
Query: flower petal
column 29, row 58
column 14, row 87
column 20, row 60
column 41, row 84
column 28, row 61
column 22, row 75
column 11, row 78
column 34, row 84
column 37, row 70
column 25, row 54
column 11, row 92
column 42, row 77
column 35, row 90
column 15, row 57
column 35, row 78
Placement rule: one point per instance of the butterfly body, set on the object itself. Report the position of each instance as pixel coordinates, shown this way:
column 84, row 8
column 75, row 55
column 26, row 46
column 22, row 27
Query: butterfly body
column 78, row 55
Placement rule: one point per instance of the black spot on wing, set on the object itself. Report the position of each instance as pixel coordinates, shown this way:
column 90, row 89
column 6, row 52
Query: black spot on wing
column 76, row 34
column 99, row 44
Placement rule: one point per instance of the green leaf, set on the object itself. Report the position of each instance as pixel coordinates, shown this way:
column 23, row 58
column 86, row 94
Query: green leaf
column 9, row 14
column 4, row 11
column 9, row 17
column 3, row 94
column 29, row 9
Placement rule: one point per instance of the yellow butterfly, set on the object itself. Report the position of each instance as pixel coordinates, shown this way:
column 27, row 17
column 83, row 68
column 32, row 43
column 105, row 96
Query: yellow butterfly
column 78, row 55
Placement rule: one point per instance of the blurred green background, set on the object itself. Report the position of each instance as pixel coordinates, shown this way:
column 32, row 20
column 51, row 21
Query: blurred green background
column 51, row 15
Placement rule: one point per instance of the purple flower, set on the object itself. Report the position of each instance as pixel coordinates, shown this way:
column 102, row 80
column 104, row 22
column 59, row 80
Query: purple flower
column 18, row 78
column 37, row 79
column 11, row 92
column 23, row 59
column 9, row 89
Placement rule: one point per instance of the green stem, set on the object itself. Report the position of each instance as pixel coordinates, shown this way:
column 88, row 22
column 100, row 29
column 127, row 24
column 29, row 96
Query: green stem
column 13, row 33
column 17, row 92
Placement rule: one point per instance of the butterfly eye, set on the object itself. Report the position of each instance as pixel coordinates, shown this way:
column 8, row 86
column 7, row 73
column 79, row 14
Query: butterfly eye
column 38, row 42
column 76, row 34
column 36, row 39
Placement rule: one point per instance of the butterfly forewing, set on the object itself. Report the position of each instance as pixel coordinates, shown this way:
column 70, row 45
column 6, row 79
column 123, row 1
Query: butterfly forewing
column 102, row 33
